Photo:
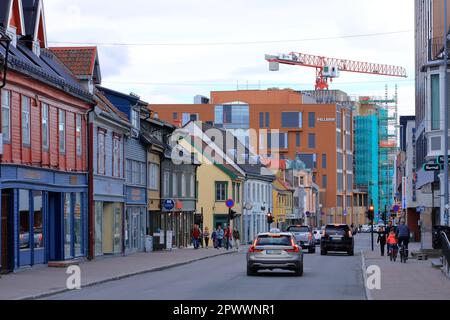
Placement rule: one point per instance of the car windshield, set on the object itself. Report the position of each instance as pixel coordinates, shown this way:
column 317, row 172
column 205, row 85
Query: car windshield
column 336, row 230
column 298, row 229
column 272, row 240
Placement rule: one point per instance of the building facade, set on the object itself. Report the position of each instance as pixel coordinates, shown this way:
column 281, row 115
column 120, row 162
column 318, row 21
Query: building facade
column 44, row 181
column 284, row 126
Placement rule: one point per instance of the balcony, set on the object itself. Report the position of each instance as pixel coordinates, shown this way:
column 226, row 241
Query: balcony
column 435, row 49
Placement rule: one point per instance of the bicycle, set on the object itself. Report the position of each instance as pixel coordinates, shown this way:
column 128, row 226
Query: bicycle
column 403, row 253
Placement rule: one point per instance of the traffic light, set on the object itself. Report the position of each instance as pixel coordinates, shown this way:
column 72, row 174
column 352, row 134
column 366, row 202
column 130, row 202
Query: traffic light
column 232, row 214
column 371, row 213
column 269, row 218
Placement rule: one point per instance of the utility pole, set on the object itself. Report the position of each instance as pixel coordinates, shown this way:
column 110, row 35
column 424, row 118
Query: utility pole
column 445, row 131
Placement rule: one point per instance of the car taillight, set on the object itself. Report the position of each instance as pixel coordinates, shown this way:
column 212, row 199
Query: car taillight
column 253, row 249
column 296, row 249
column 350, row 234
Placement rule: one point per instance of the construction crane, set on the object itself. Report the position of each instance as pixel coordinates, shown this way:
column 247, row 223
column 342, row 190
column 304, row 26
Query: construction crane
column 329, row 68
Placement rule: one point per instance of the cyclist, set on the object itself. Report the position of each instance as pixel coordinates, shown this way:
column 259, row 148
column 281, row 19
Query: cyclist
column 391, row 241
column 403, row 235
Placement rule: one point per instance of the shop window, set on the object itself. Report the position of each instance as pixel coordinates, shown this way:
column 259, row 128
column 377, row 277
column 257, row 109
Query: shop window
column 24, row 220
column 78, row 241
column 98, row 228
column 67, row 226
column 38, row 220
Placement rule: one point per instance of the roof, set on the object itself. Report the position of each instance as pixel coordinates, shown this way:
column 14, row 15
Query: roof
column 80, row 60
column 105, row 105
column 45, row 68
column 281, row 185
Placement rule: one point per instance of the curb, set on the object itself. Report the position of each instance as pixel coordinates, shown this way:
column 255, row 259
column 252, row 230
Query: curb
column 123, row 276
column 364, row 270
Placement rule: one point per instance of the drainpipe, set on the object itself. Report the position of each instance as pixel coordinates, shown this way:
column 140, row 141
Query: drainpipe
column 91, row 204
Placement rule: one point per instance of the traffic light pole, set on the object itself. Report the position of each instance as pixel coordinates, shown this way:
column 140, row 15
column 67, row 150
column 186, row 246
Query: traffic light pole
column 371, row 231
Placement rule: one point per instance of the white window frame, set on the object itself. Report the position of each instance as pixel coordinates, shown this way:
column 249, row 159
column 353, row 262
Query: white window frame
column 6, row 108
column 101, row 155
column 116, row 156
column 183, row 185
column 62, row 131
column 45, row 126
column 135, row 118
column 166, row 183
column 26, row 133
column 192, row 186
column 153, row 176
column 174, row 184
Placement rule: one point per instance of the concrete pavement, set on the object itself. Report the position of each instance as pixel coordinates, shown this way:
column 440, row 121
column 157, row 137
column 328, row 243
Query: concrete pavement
column 415, row 280
column 41, row 281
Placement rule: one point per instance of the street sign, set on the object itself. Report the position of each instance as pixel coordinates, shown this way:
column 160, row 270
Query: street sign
column 396, row 208
column 433, row 167
column 229, row 203
column 440, row 159
column 169, row 204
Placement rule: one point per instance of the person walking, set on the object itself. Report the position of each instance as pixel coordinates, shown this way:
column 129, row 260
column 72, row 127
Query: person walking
column 382, row 240
column 219, row 236
column 214, row 238
column 206, row 237
column 228, row 238
column 236, row 238
column 196, row 236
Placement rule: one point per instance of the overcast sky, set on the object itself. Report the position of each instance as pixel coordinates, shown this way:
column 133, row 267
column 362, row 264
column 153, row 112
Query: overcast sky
column 147, row 57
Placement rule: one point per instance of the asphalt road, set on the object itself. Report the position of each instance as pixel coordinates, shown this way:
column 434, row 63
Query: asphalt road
column 335, row 276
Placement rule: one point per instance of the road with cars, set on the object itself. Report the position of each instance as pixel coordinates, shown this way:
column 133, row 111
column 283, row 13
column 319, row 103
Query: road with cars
column 334, row 276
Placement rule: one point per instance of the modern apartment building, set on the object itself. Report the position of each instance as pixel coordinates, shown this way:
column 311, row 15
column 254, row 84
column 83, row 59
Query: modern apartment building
column 284, row 127
column 430, row 88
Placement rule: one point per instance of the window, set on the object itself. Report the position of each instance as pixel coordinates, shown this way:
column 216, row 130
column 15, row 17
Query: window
column 340, row 164
column 25, row 121
column 78, row 135
column 324, row 161
column 187, row 117
column 6, row 115
column 282, row 140
column 311, row 119
column 340, row 182
column 221, row 191
column 135, row 167
column 435, row 102
column 101, row 152
column 338, row 120
column 297, row 139
column 338, row 140
column 291, row 120
column 267, row 119
column 324, row 181
column 153, row 174
column 142, row 173
column 302, row 181
column 116, row 156
column 129, row 171
column 166, row 183
column 174, row 185
column 339, row 201
column 45, row 127
column 311, row 140
column 62, row 131
column 183, row 185
column 350, row 182
column 236, row 115
column 135, row 118
column 238, row 193
column 233, row 191
column 192, row 188
column 261, row 119
column 175, row 116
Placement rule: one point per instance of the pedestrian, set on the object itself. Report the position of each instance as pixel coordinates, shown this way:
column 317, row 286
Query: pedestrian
column 227, row 235
column 382, row 240
column 196, row 236
column 214, row 238
column 237, row 239
column 219, row 236
column 206, row 237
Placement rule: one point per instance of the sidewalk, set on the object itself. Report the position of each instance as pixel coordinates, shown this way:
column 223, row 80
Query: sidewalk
column 415, row 280
column 41, row 281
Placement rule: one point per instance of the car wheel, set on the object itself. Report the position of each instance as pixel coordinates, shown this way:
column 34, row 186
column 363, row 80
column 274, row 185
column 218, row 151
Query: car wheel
column 250, row 271
column 299, row 271
column 311, row 250
column 351, row 253
column 323, row 252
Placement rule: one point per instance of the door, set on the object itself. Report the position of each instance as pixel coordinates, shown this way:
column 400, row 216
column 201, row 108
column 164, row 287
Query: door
column 7, row 241
column 133, row 229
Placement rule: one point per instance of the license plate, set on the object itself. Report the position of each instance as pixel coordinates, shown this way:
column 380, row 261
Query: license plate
column 273, row 251
column 336, row 238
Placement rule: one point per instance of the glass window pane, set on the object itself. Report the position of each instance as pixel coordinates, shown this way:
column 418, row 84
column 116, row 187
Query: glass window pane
column 311, row 119
column 25, row 120
column 6, row 115
column 38, row 229
column 24, row 219
column 117, row 229
column 98, row 228
column 290, row 120
column 78, row 241
column 435, row 102
column 67, row 226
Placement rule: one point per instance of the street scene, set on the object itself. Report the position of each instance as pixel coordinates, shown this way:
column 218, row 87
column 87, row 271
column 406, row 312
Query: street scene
column 163, row 151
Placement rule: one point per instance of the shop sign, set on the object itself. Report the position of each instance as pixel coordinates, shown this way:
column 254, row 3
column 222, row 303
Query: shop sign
column 168, row 204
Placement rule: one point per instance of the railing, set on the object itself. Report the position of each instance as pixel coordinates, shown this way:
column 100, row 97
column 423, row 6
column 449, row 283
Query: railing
column 446, row 251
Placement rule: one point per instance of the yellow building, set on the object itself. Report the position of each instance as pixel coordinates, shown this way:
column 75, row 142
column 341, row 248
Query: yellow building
column 282, row 201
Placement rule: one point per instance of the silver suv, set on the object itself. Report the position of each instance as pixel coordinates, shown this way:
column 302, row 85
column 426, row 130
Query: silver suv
column 272, row 251
column 304, row 237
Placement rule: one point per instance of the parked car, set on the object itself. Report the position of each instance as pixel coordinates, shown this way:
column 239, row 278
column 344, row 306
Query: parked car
column 337, row 237
column 274, row 251
column 317, row 234
column 365, row 228
column 304, row 237
column 24, row 239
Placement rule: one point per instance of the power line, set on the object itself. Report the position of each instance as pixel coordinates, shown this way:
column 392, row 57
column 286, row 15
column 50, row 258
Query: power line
column 167, row 44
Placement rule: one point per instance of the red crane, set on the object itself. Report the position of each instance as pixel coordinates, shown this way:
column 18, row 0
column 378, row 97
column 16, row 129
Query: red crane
column 329, row 68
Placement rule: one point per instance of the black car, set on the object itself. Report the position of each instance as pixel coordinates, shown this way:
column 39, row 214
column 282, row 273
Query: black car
column 337, row 237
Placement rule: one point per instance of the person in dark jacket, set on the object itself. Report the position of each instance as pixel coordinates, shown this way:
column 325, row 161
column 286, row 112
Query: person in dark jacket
column 403, row 235
column 382, row 240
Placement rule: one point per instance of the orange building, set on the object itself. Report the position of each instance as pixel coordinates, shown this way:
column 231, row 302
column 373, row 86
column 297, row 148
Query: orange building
column 321, row 135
